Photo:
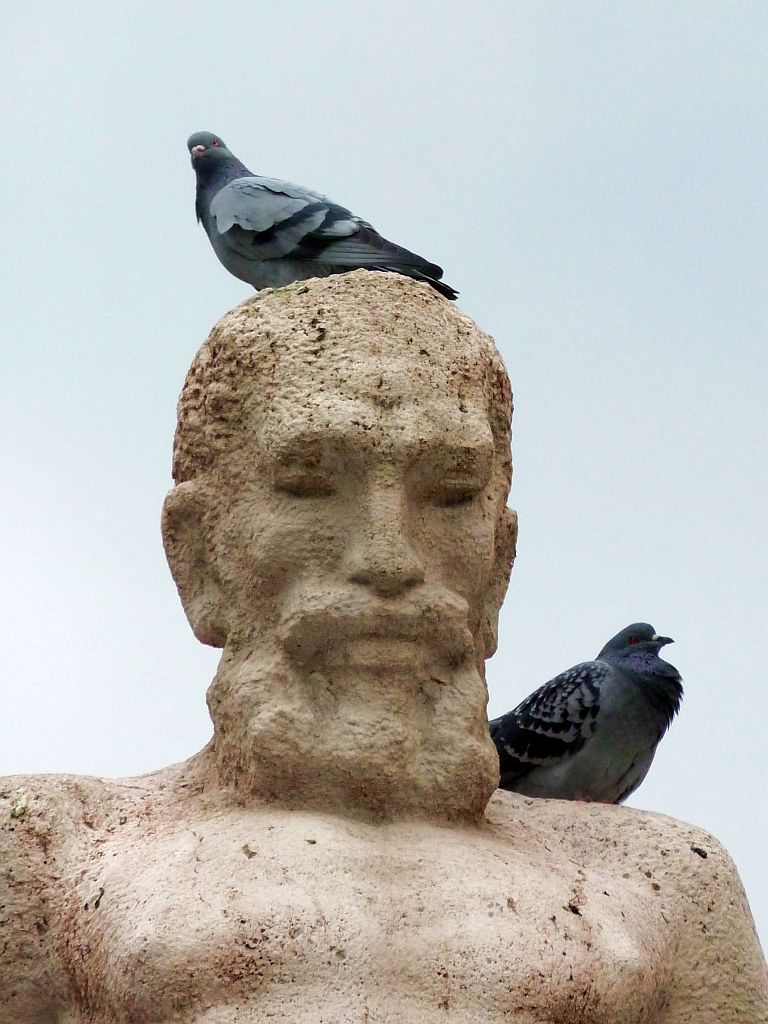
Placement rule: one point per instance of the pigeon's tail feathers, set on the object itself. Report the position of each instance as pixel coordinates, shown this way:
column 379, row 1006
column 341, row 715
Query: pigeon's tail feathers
column 367, row 248
column 417, row 274
column 444, row 289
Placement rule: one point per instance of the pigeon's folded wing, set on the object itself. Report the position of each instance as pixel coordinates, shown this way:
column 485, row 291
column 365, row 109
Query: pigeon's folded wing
column 552, row 724
column 266, row 219
column 263, row 218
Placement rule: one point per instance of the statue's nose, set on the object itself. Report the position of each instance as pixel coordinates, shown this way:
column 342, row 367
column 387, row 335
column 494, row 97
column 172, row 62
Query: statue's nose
column 381, row 555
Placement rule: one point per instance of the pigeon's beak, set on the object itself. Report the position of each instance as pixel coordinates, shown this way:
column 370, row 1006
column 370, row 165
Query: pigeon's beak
column 197, row 151
column 661, row 640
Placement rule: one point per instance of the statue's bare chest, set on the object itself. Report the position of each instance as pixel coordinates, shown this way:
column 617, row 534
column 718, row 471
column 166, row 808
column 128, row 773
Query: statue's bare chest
column 242, row 915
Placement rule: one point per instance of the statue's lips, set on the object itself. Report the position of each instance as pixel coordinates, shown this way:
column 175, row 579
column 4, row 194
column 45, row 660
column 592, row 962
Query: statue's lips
column 396, row 651
column 341, row 628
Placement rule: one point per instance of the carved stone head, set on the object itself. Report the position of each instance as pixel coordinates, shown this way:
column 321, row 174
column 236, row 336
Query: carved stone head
column 339, row 525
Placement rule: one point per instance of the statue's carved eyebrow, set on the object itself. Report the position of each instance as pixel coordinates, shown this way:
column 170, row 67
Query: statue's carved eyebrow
column 473, row 451
column 470, row 462
column 308, row 445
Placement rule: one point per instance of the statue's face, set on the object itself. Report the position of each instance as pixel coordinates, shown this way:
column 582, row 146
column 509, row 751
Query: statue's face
column 350, row 530
column 359, row 525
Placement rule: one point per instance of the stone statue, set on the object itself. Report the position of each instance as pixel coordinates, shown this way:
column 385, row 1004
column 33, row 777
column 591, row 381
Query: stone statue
column 337, row 852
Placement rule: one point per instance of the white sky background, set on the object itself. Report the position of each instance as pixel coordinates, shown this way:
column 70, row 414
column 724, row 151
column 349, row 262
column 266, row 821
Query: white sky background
column 592, row 178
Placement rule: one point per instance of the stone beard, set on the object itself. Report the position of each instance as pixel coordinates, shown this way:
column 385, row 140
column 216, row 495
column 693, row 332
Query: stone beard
column 371, row 719
column 341, row 494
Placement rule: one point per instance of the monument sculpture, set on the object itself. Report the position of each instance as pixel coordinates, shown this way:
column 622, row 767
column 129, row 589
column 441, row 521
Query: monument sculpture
column 339, row 851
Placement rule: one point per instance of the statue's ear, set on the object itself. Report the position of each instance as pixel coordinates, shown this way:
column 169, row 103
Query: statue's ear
column 504, row 557
column 188, row 554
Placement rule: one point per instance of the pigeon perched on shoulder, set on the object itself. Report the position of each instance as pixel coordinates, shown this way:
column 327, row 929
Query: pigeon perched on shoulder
column 591, row 732
column 270, row 233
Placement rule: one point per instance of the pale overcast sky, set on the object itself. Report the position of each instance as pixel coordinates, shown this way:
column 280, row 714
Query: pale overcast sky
column 591, row 175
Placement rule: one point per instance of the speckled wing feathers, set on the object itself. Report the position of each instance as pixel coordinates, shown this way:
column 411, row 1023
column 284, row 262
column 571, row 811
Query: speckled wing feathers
column 555, row 721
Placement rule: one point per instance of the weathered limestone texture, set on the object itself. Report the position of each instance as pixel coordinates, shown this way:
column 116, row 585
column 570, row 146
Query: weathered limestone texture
column 337, row 852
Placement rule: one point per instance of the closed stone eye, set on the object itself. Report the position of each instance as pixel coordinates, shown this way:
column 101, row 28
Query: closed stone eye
column 304, row 480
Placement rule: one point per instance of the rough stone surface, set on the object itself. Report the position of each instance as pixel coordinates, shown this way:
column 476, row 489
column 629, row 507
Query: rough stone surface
column 165, row 899
column 339, row 523
column 339, row 527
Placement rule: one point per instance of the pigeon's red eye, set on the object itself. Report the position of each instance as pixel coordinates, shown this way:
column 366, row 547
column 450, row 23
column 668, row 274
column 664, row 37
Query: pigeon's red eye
column 215, row 142
column 633, row 639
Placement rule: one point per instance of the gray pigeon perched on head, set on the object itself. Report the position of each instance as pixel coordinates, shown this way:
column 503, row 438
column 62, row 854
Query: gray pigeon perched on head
column 270, row 233
column 591, row 732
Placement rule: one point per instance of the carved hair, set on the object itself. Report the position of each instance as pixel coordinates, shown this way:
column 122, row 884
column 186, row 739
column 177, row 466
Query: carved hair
column 218, row 392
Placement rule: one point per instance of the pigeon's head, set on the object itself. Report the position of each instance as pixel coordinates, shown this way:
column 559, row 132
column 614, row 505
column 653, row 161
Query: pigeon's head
column 637, row 646
column 207, row 151
column 640, row 636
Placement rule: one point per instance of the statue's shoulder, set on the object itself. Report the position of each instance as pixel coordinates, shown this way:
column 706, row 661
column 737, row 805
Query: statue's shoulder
column 50, row 825
column 58, row 812
column 718, row 965
column 680, row 871
column 49, row 812
column 37, row 824
column 640, row 842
